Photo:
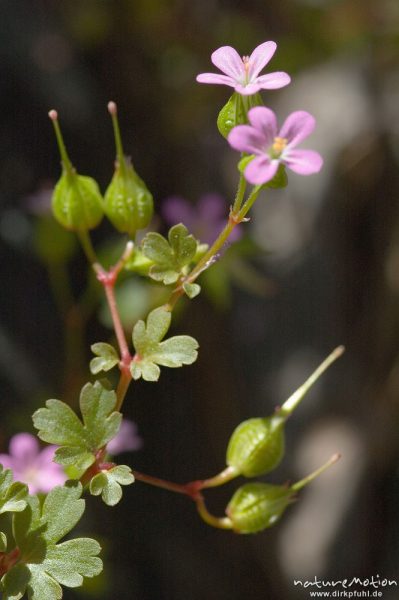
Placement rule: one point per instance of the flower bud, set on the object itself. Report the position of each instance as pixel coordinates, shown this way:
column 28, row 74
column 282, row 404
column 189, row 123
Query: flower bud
column 76, row 201
column 127, row 202
column 257, row 445
column 258, row 506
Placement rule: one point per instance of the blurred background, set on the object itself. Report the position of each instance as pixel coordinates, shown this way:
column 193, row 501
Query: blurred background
column 317, row 266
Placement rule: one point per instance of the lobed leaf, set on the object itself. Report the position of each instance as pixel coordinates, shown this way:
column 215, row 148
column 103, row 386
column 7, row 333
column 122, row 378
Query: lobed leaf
column 13, row 495
column 169, row 256
column 106, row 358
column 79, row 441
column 44, row 565
column 108, row 484
column 151, row 351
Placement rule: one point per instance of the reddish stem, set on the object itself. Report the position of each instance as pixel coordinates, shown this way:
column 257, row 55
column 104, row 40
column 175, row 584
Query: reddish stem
column 7, row 561
column 191, row 489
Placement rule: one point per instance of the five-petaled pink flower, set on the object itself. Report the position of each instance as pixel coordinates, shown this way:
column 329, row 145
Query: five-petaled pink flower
column 272, row 147
column 243, row 73
column 31, row 465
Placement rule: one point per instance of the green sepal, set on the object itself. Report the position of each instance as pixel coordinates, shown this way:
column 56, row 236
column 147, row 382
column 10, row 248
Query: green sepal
column 77, row 202
column 256, row 446
column 108, row 483
column 191, row 289
column 79, row 441
column 44, row 564
column 171, row 255
column 13, row 495
column 257, row 506
column 3, row 542
column 234, row 112
column 128, row 203
column 151, row 351
column 107, row 357
column 138, row 263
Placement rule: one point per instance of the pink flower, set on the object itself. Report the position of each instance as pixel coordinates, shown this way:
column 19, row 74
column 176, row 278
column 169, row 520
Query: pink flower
column 271, row 148
column 126, row 439
column 31, row 465
column 243, row 73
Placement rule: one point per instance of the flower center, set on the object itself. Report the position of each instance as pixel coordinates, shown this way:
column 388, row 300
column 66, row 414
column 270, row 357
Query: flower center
column 246, row 63
column 278, row 146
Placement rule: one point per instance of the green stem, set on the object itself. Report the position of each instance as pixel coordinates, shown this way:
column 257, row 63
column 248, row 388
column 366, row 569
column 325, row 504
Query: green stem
column 300, row 484
column 60, row 141
column 240, row 194
column 113, row 111
column 293, row 401
column 87, row 246
column 227, row 475
column 218, row 522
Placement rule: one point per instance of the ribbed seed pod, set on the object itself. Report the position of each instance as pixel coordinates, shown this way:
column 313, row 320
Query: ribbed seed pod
column 128, row 203
column 76, row 201
column 256, row 446
column 257, row 506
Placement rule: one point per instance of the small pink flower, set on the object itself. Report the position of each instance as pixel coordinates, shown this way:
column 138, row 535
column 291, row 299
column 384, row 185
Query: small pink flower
column 243, row 73
column 272, row 147
column 31, row 465
column 126, row 439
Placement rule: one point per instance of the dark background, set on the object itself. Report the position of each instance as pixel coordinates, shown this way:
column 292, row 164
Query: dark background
column 325, row 273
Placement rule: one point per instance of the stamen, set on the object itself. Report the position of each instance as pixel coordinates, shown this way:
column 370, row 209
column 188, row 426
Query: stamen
column 278, row 146
column 245, row 60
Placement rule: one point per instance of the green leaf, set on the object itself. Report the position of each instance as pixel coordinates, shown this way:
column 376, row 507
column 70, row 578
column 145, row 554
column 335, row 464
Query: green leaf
column 191, row 289
column 13, row 495
column 44, row 564
column 151, row 351
column 169, row 256
column 106, row 358
column 108, row 484
column 79, row 442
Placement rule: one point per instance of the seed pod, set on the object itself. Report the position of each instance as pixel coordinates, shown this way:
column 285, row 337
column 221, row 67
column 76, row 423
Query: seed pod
column 256, row 446
column 76, row 201
column 234, row 112
column 258, row 506
column 127, row 202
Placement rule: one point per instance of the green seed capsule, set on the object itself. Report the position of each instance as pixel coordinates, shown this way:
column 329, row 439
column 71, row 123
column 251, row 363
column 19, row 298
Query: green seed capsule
column 76, row 201
column 256, row 446
column 127, row 202
column 257, row 506
column 234, row 112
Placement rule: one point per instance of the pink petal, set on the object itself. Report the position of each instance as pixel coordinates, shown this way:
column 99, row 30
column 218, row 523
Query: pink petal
column 304, row 162
column 126, row 439
column 211, row 206
column 228, row 61
column 260, row 57
column 24, row 447
column 48, row 478
column 264, row 120
column 273, row 81
column 7, row 461
column 247, row 90
column 215, row 78
column 247, row 139
column 261, row 170
column 297, row 126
